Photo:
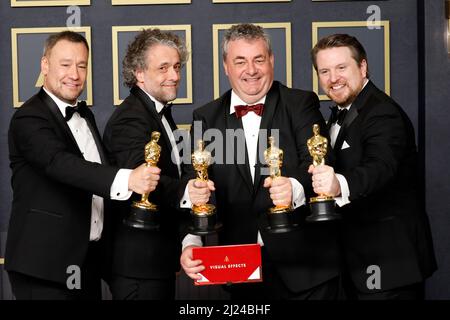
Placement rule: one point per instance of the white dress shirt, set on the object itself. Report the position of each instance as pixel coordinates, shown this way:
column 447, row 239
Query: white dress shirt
column 343, row 199
column 86, row 143
column 250, row 123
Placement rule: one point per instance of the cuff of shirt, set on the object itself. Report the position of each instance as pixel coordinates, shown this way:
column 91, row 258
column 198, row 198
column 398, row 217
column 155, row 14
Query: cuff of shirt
column 185, row 202
column 119, row 188
column 298, row 193
column 191, row 240
column 343, row 199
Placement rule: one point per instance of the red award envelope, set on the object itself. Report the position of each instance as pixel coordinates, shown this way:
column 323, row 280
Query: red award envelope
column 229, row 264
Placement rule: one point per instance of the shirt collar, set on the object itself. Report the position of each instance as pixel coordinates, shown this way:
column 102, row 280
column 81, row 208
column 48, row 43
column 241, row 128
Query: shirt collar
column 158, row 105
column 236, row 101
column 61, row 104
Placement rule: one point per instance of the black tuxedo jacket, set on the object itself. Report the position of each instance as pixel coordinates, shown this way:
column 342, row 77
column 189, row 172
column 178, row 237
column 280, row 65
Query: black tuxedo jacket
column 138, row 253
column 385, row 223
column 303, row 258
column 52, row 191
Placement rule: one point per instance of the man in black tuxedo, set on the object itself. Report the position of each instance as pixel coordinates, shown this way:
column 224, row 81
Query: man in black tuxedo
column 301, row 264
column 56, row 233
column 145, row 262
column 386, row 238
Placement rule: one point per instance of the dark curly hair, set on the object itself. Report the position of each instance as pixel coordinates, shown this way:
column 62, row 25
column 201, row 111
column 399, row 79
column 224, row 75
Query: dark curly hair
column 137, row 50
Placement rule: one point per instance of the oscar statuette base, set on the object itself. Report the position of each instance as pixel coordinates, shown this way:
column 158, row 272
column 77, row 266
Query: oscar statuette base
column 204, row 220
column 322, row 209
column 143, row 216
column 281, row 220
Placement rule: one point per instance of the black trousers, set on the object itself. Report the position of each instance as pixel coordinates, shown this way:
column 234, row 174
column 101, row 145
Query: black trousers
column 414, row 291
column 274, row 288
column 328, row 290
column 26, row 287
column 126, row 288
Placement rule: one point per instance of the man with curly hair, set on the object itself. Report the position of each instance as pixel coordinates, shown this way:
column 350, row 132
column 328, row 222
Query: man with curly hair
column 144, row 262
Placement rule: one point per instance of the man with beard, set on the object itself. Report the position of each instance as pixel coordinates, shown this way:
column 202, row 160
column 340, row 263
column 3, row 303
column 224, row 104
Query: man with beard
column 145, row 261
column 384, row 227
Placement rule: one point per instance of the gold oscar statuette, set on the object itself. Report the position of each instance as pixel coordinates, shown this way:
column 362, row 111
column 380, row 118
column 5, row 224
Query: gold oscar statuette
column 144, row 214
column 280, row 216
column 322, row 206
column 204, row 216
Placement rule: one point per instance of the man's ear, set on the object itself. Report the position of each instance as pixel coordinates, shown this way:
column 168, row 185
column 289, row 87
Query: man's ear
column 44, row 65
column 225, row 67
column 139, row 74
column 363, row 68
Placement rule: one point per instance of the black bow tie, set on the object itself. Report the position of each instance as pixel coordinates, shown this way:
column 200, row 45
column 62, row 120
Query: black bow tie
column 338, row 115
column 81, row 108
column 166, row 111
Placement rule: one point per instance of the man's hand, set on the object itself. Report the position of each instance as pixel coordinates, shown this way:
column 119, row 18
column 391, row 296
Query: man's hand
column 191, row 267
column 324, row 180
column 280, row 190
column 144, row 179
column 200, row 191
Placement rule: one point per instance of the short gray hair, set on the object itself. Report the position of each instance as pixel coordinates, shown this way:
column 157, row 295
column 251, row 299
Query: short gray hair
column 245, row 31
column 137, row 51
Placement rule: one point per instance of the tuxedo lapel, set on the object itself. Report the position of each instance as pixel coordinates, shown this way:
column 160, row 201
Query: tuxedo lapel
column 232, row 122
column 270, row 106
column 353, row 113
column 60, row 121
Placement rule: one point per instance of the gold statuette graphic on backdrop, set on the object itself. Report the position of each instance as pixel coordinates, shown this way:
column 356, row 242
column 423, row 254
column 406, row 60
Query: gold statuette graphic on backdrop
column 323, row 206
column 280, row 217
column 204, row 217
column 144, row 214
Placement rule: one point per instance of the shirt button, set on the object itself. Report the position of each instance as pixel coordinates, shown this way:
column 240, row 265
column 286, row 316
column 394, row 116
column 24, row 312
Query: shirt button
column 118, row 194
column 184, row 202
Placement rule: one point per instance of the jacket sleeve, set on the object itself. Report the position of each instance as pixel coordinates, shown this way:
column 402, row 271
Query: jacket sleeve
column 125, row 140
column 34, row 138
column 383, row 145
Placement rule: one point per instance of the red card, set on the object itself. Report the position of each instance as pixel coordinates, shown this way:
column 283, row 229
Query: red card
column 229, row 264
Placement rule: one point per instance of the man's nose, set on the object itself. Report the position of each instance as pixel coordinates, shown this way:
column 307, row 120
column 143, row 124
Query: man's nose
column 174, row 74
column 251, row 68
column 334, row 76
column 73, row 72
